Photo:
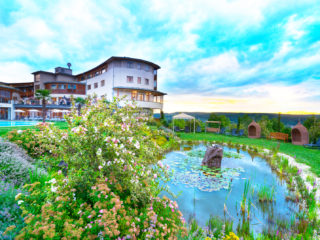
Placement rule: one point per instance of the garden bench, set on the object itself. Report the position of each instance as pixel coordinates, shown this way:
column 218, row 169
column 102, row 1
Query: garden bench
column 279, row 136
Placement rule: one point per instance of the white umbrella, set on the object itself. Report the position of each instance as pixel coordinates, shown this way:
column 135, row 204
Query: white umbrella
column 56, row 110
column 18, row 111
column 33, row 110
column 65, row 111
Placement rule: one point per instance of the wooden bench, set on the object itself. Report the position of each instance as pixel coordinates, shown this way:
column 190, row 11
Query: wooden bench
column 278, row 136
column 210, row 129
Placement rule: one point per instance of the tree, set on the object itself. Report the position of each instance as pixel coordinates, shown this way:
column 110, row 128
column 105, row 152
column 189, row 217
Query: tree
column 313, row 125
column 80, row 101
column 44, row 96
column 225, row 122
column 279, row 122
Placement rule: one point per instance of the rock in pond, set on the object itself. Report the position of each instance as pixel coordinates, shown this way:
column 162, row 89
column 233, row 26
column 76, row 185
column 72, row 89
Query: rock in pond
column 213, row 156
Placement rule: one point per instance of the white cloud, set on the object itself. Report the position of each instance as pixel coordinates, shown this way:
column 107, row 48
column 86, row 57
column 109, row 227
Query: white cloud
column 224, row 63
column 295, row 26
column 49, row 51
column 15, row 72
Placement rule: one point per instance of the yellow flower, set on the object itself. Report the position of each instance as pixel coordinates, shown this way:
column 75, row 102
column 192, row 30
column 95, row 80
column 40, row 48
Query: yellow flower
column 231, row 236
column 207, row 238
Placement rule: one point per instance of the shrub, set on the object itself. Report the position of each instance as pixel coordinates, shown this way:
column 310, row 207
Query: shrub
column 110, row 185
column 15, row 164
column 10, row 213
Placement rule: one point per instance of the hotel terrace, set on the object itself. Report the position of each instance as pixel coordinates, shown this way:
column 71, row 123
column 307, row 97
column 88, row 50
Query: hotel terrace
column 136, row 79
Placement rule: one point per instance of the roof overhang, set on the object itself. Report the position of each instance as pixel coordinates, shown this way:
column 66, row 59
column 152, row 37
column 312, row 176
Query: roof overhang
column 158, row 93
column 111, row 59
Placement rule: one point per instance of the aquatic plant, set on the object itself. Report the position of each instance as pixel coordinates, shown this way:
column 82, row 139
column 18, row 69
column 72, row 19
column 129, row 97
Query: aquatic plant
column 266, row 194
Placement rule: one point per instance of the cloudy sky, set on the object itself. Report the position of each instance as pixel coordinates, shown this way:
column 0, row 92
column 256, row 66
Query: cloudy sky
column 215, row 55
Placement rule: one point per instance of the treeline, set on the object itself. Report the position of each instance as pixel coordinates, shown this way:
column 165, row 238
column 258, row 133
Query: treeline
column 268, row 125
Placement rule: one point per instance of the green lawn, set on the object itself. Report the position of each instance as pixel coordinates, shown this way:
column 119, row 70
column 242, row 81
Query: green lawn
column 310, row 157
column 5, row 130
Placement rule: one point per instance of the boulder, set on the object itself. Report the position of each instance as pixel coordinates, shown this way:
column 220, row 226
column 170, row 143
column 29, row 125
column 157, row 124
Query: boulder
column 213, row 156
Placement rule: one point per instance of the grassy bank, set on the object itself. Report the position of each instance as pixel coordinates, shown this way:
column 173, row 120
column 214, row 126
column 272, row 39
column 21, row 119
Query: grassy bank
column 5, row 130
column 310, row 157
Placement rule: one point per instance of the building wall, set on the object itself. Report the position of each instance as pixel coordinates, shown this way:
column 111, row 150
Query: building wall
column 106, row 90
column 116, row 76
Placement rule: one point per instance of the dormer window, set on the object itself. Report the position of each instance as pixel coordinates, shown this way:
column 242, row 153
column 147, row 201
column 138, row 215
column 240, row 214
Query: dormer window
column 146, row 80
column 129, row 64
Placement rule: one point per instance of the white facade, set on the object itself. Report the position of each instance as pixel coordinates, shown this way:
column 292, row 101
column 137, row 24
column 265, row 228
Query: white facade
column 134, row 79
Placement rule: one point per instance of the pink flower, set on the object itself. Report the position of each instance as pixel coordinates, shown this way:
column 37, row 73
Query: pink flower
column 100, row 167
column 101, row 211
column 172, row 209
column 89, row 216
column 155, row 176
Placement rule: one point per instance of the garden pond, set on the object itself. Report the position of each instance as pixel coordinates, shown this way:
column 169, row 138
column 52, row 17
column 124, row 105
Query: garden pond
column 204, row 192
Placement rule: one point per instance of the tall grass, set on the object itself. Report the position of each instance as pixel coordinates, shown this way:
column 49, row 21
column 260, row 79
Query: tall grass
column 266, row 194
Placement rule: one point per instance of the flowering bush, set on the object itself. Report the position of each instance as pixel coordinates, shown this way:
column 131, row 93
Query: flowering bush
column 30, row 140
column 106, row 214
column 109, row 183
column 15, row 164
column 10, row 213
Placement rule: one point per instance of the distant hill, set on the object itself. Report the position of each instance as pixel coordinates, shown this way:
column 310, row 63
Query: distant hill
column 286, row 119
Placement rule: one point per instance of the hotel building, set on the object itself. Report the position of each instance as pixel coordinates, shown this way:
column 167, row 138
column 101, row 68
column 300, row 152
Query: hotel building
column 131, row 78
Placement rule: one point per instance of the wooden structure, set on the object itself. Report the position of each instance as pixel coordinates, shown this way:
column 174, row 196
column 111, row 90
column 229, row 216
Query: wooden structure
column 299, row 135
column 279, row 136
column 212, row 129
column 254, row 130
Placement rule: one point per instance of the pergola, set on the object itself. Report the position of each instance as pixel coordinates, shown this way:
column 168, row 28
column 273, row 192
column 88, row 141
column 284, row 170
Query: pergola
column 184, row 117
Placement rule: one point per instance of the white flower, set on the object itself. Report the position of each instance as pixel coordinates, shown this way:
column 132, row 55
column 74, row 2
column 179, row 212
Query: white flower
column 20, row 201
column 53, row 189
column 100, row 167
column 19, row 131
column 137, row 145
column 53, row 181
column 99, row 151
column 18, row 196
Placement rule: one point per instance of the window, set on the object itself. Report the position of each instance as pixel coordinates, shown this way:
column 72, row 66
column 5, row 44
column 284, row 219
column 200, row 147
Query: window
column 62, row 86
column 4, row 96
column 146, row 80
column 36, row 87
column 141, row 97
column 147, row 68
column 134, row 95
column 139, row 66
column 89, row 87
column 148, row 96
column 102, row 83
column 118, row 93
column 69, row 86
column 139, row 80
column 53, row 86
column 129, row 64
column 37, row 78
column 95, row 85
column 129, row 79
column 103, row 70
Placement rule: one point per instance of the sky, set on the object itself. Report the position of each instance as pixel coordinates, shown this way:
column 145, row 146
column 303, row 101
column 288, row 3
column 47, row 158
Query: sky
column 215, row 55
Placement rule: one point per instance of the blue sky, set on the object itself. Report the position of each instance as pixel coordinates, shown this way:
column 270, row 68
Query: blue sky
column 215, row 55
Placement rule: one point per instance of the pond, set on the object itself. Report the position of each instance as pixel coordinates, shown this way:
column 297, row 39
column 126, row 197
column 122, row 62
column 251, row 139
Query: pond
column 219, row 191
